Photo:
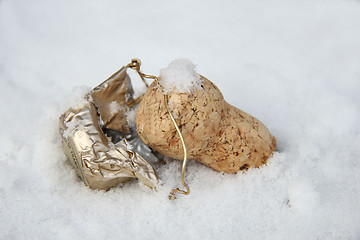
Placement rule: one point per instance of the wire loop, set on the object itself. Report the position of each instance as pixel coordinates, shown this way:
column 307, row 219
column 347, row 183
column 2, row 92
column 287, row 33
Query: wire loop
column 135, row 64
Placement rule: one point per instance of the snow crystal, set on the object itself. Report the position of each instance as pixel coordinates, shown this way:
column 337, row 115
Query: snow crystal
column 131, row 116
column 180, row 76
column 115, row 107
column 171, row 104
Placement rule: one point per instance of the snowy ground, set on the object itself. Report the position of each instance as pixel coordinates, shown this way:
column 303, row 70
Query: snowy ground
column 295, row 65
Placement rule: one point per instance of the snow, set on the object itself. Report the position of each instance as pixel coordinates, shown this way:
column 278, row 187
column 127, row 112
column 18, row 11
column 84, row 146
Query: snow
column 131, row 116
column 292, row 64
column 179, row 76
column 77, row 98
column 72, row 127
column 115, row 107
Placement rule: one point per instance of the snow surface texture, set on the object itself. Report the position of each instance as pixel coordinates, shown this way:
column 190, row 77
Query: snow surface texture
column 180, row 76
column 292, row 64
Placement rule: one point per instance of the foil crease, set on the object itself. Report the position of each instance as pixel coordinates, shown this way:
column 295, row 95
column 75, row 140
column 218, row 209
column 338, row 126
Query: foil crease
column 111, row 98
column 104, row 161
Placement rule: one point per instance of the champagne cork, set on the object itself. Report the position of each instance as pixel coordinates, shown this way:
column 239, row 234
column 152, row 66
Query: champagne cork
column 216, row 133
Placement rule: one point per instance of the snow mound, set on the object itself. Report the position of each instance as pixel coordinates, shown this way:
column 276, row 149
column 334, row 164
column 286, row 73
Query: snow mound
column 180, row 76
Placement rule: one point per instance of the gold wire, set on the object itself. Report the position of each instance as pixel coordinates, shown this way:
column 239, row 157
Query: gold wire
column 174, row 191
column 135, row 64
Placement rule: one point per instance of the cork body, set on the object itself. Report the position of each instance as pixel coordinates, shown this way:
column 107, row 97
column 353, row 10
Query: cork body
column 216, row 133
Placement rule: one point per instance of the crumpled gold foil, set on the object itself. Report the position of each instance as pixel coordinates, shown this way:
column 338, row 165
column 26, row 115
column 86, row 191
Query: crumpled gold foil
column 99, row 162
column 114, row 94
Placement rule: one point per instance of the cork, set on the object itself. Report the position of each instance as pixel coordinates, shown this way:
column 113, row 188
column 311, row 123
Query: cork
column 216, row 133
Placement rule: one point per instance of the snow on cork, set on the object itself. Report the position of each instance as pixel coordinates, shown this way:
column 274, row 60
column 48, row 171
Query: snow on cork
column 180, row 76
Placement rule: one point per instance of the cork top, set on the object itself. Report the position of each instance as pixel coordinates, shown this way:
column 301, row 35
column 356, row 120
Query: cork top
column 180, row 76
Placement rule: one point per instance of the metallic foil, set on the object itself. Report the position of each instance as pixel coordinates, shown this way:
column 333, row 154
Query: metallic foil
column 115, row 92
column 103, row 161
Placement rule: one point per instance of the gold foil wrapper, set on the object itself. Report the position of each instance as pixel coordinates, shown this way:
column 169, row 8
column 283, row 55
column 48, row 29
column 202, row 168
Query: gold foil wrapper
column 100, row 162
column 111, row 98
